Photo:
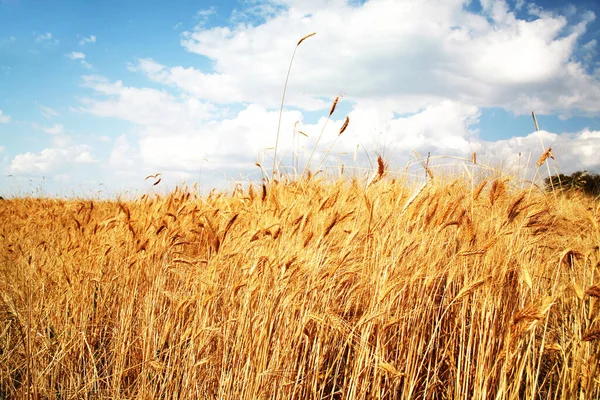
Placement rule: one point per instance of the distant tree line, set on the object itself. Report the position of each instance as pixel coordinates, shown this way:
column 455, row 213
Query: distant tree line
column 582, row 181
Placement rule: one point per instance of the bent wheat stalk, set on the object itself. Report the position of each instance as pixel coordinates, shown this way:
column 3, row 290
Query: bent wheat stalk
column 283, row 99
column 342, row 129
column 307, row 167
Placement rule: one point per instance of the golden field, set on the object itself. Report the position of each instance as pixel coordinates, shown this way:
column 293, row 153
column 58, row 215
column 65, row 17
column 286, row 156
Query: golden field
column 308, row 289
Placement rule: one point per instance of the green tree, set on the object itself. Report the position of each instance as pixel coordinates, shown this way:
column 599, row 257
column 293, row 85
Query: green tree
column 583, row 181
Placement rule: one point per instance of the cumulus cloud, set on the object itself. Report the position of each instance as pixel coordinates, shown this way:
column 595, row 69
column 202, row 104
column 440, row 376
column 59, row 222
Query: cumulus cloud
column 202, row 16
column 55, row 129
column 578, row 151
column 48, row 112
column 439, row 50
column 79, row 56
column 49, row 160
column 177, row 132
column 146, row 107
column 4, row 119
column 84, row 157
column 89, row 39
column 62, row 153
column 223, row 88
column 235, row 142
column 230, row 143
column 121, row 154
column 46, row 38
column 76, row 55
column 447, row 126
column 573, row 151
column 422, row 82
column 59, row 137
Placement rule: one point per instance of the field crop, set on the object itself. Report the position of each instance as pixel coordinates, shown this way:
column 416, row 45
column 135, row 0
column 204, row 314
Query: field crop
column 306, row 289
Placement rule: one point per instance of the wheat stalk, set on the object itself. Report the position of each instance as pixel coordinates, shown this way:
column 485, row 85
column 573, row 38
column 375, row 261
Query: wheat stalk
column 307, row 167
column 283, row 100
column 299, row 295
column 413, row 197
column 342, row 129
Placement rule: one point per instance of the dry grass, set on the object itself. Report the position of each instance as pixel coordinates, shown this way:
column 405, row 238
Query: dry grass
column 308, row 290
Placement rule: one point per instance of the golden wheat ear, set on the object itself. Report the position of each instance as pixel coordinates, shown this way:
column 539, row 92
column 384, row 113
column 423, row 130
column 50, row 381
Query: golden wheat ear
column 334, row 105
column 306, row 37
column 547, row 154
column 380, row 167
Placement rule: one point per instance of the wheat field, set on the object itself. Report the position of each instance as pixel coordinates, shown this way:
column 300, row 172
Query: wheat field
column 304, row 289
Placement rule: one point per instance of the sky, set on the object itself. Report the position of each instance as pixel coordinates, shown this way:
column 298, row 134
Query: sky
column 97, row 95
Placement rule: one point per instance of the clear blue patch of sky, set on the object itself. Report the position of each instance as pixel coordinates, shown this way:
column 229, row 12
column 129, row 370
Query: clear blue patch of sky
column 497, row 124
column 40, row 70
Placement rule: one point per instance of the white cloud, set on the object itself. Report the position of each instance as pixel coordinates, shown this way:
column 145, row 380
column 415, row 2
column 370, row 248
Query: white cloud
column 171, row 137
column 89, row 39
column 590, row 46
column 48, row 112
column 59, row 137
column 438, row 69
column 77, row 55
column 46, row 38
column 1, row 149
column 56, row 129
column 570, row 10
column 589, row 50
column 255, row 11
column 573, row 151
column 230, row 143
column 203, row 15
column 234, row 143
column 85, row 157
column 446, row 127
column 519, row 4
column 43, row 36
column 61, row 154
column 4, row 119
column 147, row 107
column 121, row 156
column 579, row 151
column 440, row 50
column 177, row 132
column 49, row 160
column 221, row 88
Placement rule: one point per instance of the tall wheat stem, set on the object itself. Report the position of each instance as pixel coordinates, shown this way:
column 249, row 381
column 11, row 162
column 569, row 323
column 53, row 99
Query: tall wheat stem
column 342, row 129
column 283, row 99
column 307, row 167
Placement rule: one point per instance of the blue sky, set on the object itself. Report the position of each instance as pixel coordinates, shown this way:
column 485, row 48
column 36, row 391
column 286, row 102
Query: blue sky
column 97, row 95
